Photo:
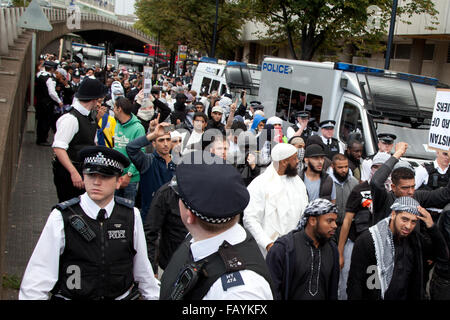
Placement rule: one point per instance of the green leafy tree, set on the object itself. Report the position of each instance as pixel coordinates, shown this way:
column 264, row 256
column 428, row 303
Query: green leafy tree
column 310, row 25
column 191, row 22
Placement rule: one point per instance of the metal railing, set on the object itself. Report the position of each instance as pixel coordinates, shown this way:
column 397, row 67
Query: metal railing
column 9, row 30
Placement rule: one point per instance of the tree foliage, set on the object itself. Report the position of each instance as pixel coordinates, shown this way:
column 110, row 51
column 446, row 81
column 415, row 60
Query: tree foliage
column 191, row 22
column 310, row 25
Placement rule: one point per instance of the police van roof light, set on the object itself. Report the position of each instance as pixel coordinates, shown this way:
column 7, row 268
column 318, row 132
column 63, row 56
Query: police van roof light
column 208, row 59
column 403, row 76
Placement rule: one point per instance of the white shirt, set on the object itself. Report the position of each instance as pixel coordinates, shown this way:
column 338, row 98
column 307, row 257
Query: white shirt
column 340, row 144
column 255, row 287
column 51, row 86
column 42, row 270
column 275, row 207
column 67, row 126
column 421, row 175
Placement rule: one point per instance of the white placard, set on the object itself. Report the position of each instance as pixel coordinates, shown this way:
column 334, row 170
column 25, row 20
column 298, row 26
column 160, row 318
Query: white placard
column 147, row 81
column 439, row 135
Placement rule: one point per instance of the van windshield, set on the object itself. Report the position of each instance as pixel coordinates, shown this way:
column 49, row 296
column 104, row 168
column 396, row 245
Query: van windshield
column 401, row 107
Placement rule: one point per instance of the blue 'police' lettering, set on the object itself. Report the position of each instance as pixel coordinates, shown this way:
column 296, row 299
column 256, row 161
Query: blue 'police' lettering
column 230, row 280
column 277, row 68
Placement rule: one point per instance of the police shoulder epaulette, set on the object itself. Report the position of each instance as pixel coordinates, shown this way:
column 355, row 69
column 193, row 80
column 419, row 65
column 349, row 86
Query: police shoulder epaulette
column 233, row 279
column 125, row 202
column 70, row 108
column 68, row 203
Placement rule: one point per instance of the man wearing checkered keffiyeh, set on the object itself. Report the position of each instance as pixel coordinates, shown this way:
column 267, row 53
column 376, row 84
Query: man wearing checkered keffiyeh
column 388, row 259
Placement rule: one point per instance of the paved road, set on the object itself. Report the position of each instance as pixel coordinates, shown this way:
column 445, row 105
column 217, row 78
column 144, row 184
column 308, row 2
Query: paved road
column 32, row 198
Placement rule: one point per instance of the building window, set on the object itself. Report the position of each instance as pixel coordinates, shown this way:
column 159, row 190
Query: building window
column 402, row 51
column 428, row 52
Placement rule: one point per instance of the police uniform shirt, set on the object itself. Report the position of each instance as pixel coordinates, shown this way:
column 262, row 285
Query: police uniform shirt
column 422, row 174
column 70, row 126
column 51, row 86
column 340, row 146
column 244, row 284
column 42, row 270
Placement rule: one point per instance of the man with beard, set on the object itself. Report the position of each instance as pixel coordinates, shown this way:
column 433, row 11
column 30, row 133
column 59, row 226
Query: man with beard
column 358, row 218
column 304, row 264
column 277, row 198
column 318, row 183
column 343, row 183
column 388, row 259
column 354, row 153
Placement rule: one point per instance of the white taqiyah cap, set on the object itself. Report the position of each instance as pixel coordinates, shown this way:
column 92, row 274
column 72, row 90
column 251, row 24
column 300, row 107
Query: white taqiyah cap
column 283, row 151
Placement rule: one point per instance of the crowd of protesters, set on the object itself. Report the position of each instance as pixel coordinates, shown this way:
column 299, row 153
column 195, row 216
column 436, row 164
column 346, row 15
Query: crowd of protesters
column 328, row 223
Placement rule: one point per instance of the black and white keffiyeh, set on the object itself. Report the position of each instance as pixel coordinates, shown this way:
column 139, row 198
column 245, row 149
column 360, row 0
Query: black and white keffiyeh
column 406, row 204
column 384, row 243
column 315, row 208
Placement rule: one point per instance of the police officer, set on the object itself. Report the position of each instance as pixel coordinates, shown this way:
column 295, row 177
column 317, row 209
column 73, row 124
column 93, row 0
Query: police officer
column 436, row 174
column 74, row 131
column 302, row 128
column 385, row 144
column 92, row 246
column 219, row 259
column 332, row 145
column 47, row 99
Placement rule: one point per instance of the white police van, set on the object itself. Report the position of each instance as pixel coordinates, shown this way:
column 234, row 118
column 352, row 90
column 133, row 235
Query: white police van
column 227, row 77
column 358, row 98
column 210, row 76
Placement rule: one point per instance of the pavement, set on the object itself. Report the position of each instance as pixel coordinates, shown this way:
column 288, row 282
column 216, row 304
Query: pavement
column 33, row 195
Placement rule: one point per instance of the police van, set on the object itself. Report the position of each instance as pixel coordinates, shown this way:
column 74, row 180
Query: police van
column 360, row 99
column 226, row 77
column 209, row 76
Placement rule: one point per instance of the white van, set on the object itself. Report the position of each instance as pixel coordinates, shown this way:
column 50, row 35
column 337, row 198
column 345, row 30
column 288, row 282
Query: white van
column 358, row 98
column 227, row 77
column 209, row 77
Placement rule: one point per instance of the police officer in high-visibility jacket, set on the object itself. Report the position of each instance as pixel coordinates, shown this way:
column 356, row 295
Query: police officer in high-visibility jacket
column 92, row 246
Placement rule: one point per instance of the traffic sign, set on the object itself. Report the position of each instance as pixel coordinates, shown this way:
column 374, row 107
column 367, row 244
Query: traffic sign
column 34, row 18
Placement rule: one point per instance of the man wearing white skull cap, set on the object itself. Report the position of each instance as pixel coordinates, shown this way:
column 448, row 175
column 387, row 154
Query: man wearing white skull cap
column 277, row 198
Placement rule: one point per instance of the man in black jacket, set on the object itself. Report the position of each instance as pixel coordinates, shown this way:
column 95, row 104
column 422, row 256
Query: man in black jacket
column 164, row 222
column 402, row 185
column 304, row 264
column 388, row 259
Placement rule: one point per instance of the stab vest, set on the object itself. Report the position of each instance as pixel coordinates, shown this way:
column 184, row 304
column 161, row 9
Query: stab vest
column 85, row 136
column 103, row 267
column 215, row 265
column 332, row 149
column 436, row 179
column 42, row 96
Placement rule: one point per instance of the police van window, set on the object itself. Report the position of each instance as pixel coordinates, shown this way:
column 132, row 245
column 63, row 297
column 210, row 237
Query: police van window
column 205, row 84
column 283, row 102
column 223, row 89
column 297, row 104
column 215, row 85
column 350, row 122
column 314, row 105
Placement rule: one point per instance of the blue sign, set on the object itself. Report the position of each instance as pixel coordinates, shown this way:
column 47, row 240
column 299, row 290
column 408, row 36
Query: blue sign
column 277, row 68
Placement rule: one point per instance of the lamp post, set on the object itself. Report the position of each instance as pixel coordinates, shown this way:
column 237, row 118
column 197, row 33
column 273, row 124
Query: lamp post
column 391, row 35
column 213, row 45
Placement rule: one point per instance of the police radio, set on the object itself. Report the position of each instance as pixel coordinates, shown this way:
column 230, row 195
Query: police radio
column 81, row 227
column 186, row 280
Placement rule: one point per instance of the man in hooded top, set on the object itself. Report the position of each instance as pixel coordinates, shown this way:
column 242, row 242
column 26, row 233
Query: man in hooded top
column 277, row 198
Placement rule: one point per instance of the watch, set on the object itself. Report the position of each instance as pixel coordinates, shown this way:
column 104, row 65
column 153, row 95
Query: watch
column 129, row 174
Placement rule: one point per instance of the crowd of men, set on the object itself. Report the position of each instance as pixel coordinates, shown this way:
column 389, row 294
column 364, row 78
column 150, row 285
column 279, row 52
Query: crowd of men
column 223, row 202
